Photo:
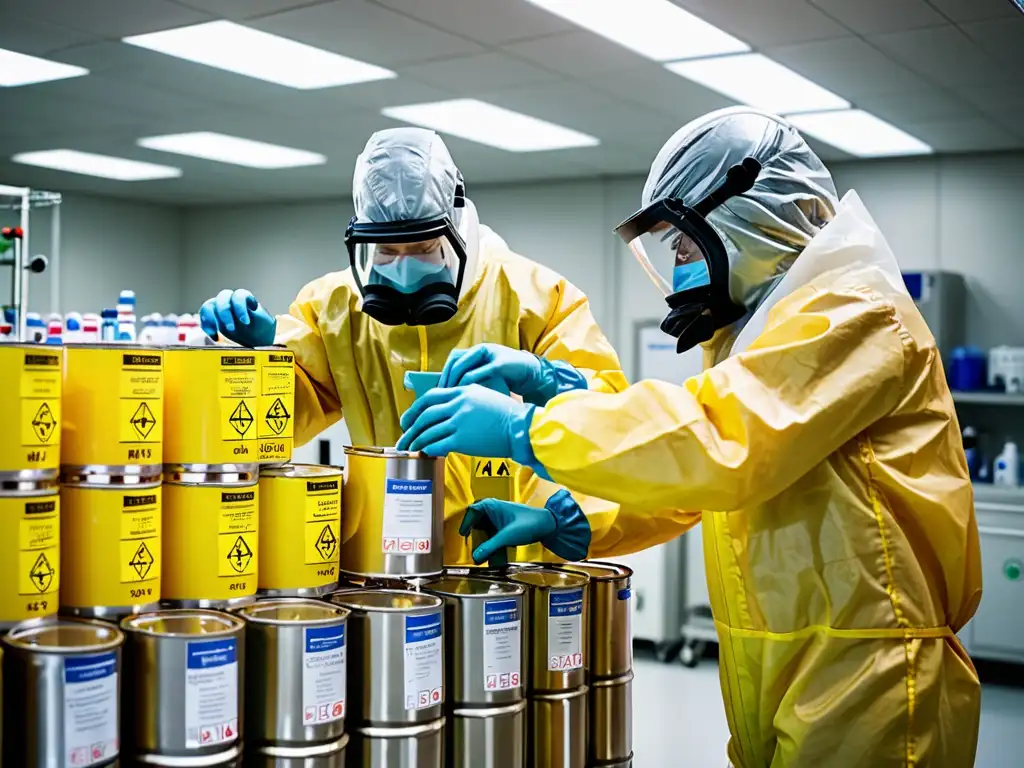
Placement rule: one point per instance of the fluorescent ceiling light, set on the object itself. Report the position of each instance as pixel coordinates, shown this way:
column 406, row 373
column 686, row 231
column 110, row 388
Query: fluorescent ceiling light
column 87, row 163
column 860, row 133
column 756, row 80
column 22, row 69
column 232, row 47
column 487, row 124
column 657, row 29
column 232, row 149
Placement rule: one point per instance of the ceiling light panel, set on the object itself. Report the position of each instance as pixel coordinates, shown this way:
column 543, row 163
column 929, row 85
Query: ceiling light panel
column 232, row 149
column 657, row 29
column 492, row 125
column 859, row 133
column 757, row 81
column 21, row 69
column 245, row 51
column 89, row 164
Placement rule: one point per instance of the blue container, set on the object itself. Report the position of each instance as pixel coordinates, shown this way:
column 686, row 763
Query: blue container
column 968, row 369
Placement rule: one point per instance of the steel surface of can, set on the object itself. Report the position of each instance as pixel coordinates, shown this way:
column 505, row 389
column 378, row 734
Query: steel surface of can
column 611, row 721
column 275, row 404
column 610, row 647
column 29, row 550
column 557, row 730
column 411, row 746
column 487, row 737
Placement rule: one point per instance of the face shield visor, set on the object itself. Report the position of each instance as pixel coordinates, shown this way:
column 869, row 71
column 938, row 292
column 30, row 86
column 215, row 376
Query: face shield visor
column 685, row 257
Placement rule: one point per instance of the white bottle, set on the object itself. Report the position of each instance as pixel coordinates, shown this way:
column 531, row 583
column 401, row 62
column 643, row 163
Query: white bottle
column 169, row 329
column 1007, row 466
column 150, row 333
column 126, row 328
column 72, row 328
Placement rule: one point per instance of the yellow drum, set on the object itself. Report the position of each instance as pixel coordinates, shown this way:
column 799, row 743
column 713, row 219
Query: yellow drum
column 210, row 537
column 29, row 551
column 113, row 408
column 275, row 404
column 30, row 411
column 211, row 406
column 110, row 548
column 300, row 524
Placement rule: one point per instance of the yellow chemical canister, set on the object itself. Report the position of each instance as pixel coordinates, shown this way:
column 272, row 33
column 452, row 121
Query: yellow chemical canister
column 210, row 406
column 113, row 412
column 110, row 548
column 210, row 537
column 275, row 404
column 300, row 524
column 30, row 411
column 29, row 551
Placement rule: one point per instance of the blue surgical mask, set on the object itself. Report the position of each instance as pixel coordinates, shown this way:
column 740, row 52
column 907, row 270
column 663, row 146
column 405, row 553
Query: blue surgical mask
column 690, row 275
column 409, row 274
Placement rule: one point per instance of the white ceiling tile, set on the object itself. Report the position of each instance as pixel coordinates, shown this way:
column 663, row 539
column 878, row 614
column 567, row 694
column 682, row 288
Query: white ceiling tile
column 923, row 103
column 117, row 93
column 491, row 22
column 944, row 55
column 478, row 73
column 36, row 37
column 975, row 10
column 998, row 99
column 1003, row 39
column 578, row 54
column 871, row 17
column 972, row 134
column 656, row 88
column 240, row 10
column 768, row 23
column 110, row 18
column 367, row 32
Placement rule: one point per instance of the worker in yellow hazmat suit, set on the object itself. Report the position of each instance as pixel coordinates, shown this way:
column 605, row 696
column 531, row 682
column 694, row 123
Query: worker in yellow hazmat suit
column 820, row 441
column 426, row 279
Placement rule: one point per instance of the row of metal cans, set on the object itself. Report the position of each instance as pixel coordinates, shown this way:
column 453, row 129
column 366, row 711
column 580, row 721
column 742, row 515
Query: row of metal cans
column 485, row 670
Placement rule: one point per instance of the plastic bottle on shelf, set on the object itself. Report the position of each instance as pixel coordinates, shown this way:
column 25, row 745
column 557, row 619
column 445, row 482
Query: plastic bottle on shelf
column 169, row 329
column 150, row 333
column 54, row 332
column 108, row 326
column 6, row 331
column 72, row 328
column 90, row 328
column 35, row 328
column 126, row 302
column 126, row 328
column 1007, row 466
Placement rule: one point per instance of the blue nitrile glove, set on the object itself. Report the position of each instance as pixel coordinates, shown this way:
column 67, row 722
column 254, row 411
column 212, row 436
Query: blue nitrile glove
column 472, row 420
column 535, row 379
column 239, row 317
column 560, row 526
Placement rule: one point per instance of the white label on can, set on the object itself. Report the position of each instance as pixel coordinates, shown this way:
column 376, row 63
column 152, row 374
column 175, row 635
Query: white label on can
column 211, row 692
column 565, row 635
column 502, row 645
column 323, row 675
column 423, row 670
column 408, row 516
column 90, row 709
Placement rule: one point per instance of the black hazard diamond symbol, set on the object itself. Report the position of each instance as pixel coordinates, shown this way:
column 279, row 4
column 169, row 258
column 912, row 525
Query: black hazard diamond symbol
column 43, row 423
column 240, row 555
column 143, row 420
column 41, row 574
column 241, row 418
column 142, row 561
column 326, row 543
column 277, row 417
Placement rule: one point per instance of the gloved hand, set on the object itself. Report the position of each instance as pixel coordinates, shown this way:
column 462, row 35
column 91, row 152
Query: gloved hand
column 473, row 420
column 535, row 379
column 560, row 526
column 240, row 317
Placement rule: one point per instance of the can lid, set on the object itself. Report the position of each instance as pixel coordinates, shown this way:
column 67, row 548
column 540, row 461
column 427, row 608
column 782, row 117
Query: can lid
column 292, row 610
column 464, row 586
column 600, row 571
column 385, row 600
column 301, row 470
column 548, row 578
column 60, row 635
column 183, row 623
column 389, row 453
column 82, row 345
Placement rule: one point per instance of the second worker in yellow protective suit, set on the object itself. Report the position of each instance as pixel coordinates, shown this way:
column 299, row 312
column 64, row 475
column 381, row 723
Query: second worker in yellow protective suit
column 820, row 442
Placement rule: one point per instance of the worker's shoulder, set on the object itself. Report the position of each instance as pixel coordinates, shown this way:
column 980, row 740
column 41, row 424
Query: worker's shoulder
column 330, row 288
column 521, row 272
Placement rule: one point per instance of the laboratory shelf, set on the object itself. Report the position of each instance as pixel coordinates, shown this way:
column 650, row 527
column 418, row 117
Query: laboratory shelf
column 986, row 493
column 988, row 398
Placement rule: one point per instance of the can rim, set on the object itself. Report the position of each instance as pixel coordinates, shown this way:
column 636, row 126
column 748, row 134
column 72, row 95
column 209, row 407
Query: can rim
column 230, row 475
column 100, row 476
column 578, row 580
column 15, row 638
column 427, row 602
column 505, row 589
column 488, row 712
column 402, row 732
column 308, row 751
column 134, row 623
column 341, row 613
column 605, row 571
column 612, row 682
column 383, row 452
column 28, row 489
column 314, row 470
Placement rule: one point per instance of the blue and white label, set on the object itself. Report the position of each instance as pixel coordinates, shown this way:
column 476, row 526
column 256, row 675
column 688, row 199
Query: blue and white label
column 408, row 517
column 323, row 675
column 503, row 645
column 424, row 672
column 211, row 692
column 90, row 709
column 565, row 630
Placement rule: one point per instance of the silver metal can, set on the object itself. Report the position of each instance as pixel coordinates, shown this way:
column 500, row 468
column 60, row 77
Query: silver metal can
column 610, row 648
column 185, row 688
column 295, row 662
column 611, row 721
column 412, row 746
column 393, row 525
column 396, row 657
column 484, row 655
column 61, row 680
column 557, row 730
column 493, row 737
column 331, row 755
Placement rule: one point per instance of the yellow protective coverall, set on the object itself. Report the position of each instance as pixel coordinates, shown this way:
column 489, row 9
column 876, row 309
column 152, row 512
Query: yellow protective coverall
column 839, row 531
column 348, row 364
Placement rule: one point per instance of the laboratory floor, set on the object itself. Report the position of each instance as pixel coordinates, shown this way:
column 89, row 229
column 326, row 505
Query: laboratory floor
column 679, row 720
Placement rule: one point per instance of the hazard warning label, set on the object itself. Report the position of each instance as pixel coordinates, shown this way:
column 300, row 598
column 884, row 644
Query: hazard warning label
column 141, row 396
column 323, row 520
column 44, row 424
column 140, row 536
column 41, row 573
column 493, row 468
column 237, row 538
column 237, row 391
column 143, row 420
column 277, row 417
column 240, row 418
column 39, row 548
column 39, row 406
column 276, row 405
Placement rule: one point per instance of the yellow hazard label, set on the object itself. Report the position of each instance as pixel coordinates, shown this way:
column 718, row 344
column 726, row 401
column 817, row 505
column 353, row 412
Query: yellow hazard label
column 40, row 526
column 140, row 417
column 278, row 379
column 41, row 383
column 236, row 529
column 40, row 424
column 140, row 536
column 236, row 555
column 237, row 391
column 37, row 571
column 237, row 419
column 237, row 377
column 493, row 468
column 323, row 520
column 139, row 560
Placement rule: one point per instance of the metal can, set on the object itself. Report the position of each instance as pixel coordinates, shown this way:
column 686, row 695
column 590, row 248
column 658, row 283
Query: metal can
column 490, row 737
column 300, row 520
column 611, row 721
column 110, row 548
column 275, row 404
column 210, row 406
column 210, row 536
column 113, row 410
column 29, row 550
column 396, row 669
column 610, row 650
column 295, row 692
column 394, row 514
column 412, row 746
column 557, row 730
column 330, row 755
column 30, row 412
column 61, row 687
column 556, row 610
column 184, row 686
column 484, row 653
